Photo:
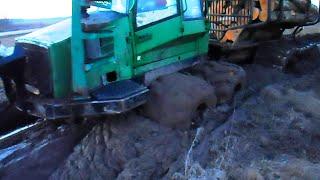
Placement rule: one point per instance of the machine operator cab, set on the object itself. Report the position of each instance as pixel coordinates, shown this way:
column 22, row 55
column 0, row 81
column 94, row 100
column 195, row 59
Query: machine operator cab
column 133, row 36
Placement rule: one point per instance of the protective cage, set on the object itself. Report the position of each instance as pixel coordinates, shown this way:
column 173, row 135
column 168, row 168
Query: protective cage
column 224, row 15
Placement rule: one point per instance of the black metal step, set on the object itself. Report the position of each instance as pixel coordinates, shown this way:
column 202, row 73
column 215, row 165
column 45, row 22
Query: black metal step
column 118, row 90
column 114, row 98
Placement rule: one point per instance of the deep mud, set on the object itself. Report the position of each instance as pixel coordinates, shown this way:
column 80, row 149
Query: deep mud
column 39, row 154
column 268, row 130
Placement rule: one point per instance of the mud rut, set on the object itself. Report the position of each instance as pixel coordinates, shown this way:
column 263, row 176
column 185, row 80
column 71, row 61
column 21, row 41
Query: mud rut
column 197, row 130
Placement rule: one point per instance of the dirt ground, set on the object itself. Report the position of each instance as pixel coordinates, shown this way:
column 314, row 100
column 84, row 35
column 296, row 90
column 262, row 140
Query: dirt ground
column 268, row 130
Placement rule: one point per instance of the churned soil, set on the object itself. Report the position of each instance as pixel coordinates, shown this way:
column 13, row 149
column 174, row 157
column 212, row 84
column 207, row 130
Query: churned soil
column 269, row 129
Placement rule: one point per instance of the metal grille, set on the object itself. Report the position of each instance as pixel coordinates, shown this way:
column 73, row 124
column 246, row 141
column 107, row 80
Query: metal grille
column 228, row 14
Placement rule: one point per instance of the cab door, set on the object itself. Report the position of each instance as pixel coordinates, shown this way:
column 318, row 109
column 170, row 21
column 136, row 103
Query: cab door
column 195, row 28
column 193, row 17
column 158, row 24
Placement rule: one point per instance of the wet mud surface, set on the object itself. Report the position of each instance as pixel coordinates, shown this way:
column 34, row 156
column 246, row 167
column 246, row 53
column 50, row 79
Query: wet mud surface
column 268, row 130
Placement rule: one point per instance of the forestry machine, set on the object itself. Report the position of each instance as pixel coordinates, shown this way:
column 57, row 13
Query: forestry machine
column 103, row 59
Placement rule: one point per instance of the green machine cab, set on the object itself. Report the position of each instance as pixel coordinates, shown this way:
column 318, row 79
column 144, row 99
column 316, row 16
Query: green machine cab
column 102, row 60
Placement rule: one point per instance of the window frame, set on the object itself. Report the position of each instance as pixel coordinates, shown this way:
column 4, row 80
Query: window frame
column 202, row 17
column 136, row 28
column 126, row 10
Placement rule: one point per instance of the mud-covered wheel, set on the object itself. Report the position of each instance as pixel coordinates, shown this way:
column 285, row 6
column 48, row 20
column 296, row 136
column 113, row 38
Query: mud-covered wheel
column 175, row 100
column 225, row 77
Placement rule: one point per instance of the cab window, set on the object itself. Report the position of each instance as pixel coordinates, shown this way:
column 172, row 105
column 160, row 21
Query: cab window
column 193, row 9
column 119, row 6
column 149, row 11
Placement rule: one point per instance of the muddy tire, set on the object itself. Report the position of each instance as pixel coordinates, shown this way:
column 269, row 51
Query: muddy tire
column 226, row 78
column 175, row 99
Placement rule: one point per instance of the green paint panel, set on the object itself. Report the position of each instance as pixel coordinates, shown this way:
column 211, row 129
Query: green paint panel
column 168, row 50
column 161, row 33
column 194, row 27
column 61, row 65
column 149, row 67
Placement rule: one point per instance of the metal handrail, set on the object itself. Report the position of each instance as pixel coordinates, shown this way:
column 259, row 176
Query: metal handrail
column 132, row 6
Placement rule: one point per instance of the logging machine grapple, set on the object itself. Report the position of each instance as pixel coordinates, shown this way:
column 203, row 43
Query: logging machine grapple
column 103, row 59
